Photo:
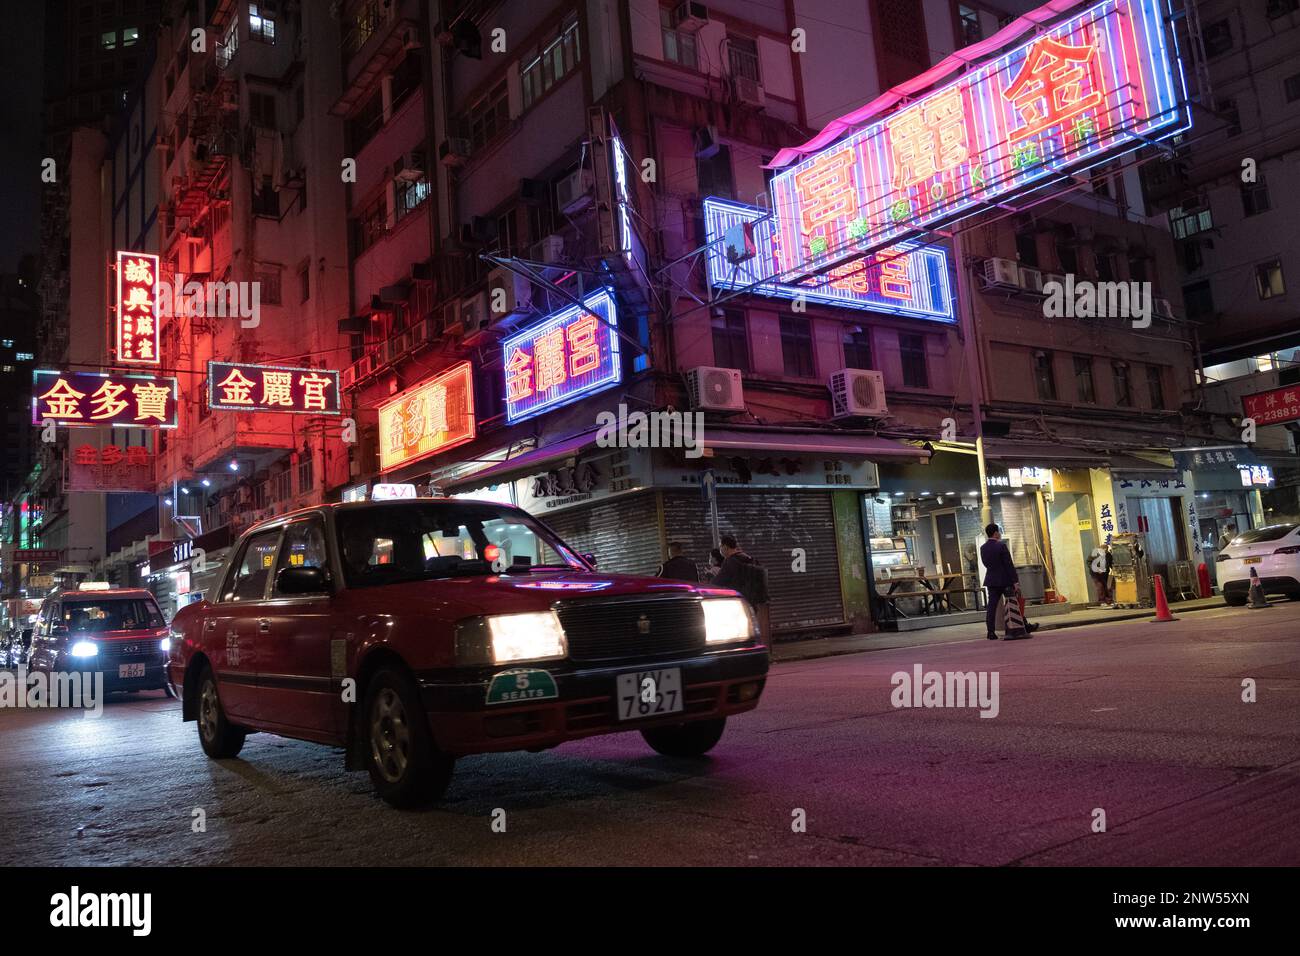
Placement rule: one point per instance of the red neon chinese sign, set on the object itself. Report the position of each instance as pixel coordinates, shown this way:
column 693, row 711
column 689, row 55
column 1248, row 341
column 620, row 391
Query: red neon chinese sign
column 431, row 417
column 236, row 387
column 96, row 398
column 1273, row 407
column 135, row 338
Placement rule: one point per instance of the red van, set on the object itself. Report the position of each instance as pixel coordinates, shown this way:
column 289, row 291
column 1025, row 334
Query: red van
column 413, row 632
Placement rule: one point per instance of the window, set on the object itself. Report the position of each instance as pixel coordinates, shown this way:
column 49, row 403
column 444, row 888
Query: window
column 405, row 79
column 1193, row 258
column 120, row 614
column 304, row 281
column 1231, row 117
column 714, row 173
column 1198, row 297
column 362, row 127
column 911, row 352
column 407, row 196
column 304, row 547
column 1217, row 37
column 1188, row 221
column 796, row 347
column 268, row 286
column 488, row 117
column 1044, row 376
column 679, row 48
column 742, row 57
column 1105, row 266
column 108, row 40
column 1291, row 86
column 857, row 347
column 1123, row 386
column 730, row 340
column 266, row 201
column 545, row 67
column 1155, row 386
column 281, row 489
column 968, row 25
column 261, row 25
column 247, row 582
column 1067, row 254
column 130, row 36
column 306, row 473
column 1254, row 198
column 370, row 224
column 261, row 109
column 1268, row 279
column 1083, row 385
column 229, row 44
column 1027, row 249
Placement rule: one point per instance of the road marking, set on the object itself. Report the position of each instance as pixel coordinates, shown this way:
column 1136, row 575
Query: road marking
column 1102, row 710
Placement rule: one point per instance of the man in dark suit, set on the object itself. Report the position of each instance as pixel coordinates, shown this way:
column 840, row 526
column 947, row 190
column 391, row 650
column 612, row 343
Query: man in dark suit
column 678, row 567
column 1000, row 579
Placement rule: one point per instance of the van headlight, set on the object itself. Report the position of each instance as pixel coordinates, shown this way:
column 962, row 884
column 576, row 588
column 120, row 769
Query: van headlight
column 84, row 649
column 726, row 620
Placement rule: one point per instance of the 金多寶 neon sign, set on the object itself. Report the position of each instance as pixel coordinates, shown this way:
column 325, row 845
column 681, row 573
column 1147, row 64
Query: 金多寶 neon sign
column 101, row 398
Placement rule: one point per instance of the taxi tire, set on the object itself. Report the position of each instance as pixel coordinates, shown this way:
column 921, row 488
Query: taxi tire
column 228, row 739
column 686, row 740
column 427, row 772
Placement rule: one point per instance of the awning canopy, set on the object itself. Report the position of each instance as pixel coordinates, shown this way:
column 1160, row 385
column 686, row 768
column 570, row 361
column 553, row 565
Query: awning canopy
column 723, row 440
column 523, row 464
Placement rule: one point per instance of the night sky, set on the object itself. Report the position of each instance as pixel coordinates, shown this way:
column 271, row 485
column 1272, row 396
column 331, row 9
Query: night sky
column 21, row 44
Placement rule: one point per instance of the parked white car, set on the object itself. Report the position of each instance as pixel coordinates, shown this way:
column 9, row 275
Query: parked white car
column 1273, row 552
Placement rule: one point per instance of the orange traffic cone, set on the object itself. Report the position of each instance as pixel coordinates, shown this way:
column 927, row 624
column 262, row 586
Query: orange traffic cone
column 1257, row 598
column 1162, row 605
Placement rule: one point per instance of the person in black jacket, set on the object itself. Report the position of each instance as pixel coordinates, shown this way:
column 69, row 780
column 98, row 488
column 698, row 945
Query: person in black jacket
column 742, row 573
column 678, row 567
column 1000, row 578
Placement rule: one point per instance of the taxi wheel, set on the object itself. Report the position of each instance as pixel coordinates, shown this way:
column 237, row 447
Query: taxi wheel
column 405, row 766
column 686, row 740
column 219, row 737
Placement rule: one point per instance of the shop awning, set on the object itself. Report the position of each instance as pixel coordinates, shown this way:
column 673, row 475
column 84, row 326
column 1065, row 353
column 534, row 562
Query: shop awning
column 523, row 464
column 723, row 440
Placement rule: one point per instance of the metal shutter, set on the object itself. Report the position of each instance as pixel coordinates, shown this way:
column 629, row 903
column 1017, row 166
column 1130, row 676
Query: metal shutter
column 622, row 533
column 1020, row 528
column 768, row 524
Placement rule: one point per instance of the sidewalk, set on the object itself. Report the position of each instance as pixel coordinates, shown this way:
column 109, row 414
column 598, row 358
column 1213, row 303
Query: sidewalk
column 884, row 640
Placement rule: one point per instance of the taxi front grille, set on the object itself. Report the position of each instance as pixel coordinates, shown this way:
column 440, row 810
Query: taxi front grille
column 600, row 631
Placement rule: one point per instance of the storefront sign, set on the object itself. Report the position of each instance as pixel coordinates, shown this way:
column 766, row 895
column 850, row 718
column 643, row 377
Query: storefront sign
column 772, row 471
column 135, row 335
column 1102, row 82
column 110, row 468
column 36, row 555
column 1273, row 407
column 562, row 358
column 431, row 417
column 101, row 398
column 40, row 580
column 272, row 388
column 908, row 279
column 1256, row 475
column 170, row 555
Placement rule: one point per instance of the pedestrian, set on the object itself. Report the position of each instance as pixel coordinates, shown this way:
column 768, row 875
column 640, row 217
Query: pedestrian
column 1000, row 579
column 678, row 567
column 1099, row 567
column 744, row 574
column 715, row 565
column 1229, row 532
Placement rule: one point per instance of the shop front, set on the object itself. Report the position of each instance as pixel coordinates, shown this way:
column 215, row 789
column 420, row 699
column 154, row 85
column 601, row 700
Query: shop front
column 1228, row 482
column 187, row 570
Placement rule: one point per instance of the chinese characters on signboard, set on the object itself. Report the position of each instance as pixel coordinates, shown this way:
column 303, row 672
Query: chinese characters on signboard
column 110, row 468
column 431, row 417
column 98, row 398
column 563, row 357
column 272, row 388
column 135, row 340
column 907, row 279
column 1104, row 80
column 1255, row 475
column 1273, row 407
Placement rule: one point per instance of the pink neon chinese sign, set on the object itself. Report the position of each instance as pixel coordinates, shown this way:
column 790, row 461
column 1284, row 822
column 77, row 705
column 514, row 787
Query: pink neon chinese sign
column 1100, row 82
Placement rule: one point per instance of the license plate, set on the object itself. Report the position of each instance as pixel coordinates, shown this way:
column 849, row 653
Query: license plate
column 130, row 670
column 649, row 693
column 1251, row 560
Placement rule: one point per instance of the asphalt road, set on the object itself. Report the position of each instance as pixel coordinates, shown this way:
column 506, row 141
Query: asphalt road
column 1144, row 721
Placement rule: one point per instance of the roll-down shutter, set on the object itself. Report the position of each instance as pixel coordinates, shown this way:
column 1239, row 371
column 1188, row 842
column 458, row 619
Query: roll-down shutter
column 622, row 533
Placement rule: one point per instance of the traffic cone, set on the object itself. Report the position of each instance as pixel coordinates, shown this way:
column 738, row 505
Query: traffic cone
column 1257, row 598
column 1162, row 604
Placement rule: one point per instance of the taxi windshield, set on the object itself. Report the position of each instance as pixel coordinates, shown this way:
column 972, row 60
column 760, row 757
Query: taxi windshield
column 384, row 544
column 111, row 614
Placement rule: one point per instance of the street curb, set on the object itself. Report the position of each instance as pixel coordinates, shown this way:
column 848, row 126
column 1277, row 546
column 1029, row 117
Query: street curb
column 1047, row 625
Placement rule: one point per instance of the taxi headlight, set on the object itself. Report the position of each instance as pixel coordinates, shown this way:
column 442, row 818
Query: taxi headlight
column 533, row 636
column 727, row 619
column 84, row 649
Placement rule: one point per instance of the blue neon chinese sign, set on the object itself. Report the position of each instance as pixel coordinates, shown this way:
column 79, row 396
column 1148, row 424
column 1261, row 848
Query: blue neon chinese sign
column 907, row 279
column 563, row 357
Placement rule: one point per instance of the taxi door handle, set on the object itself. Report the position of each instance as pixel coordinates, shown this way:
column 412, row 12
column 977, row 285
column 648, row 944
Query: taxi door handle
column 263, row 625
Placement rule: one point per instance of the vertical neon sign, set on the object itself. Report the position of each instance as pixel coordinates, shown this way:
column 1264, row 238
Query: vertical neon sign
column 135, row 338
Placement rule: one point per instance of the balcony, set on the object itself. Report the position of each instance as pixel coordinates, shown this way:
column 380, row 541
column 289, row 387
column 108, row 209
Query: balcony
column 374, row 37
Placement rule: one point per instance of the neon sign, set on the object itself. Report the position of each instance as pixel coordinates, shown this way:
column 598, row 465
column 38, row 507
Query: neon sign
column 907, row 279
column 135, row 336
column 433, row 416
column 1097, row 84
column 563, row 357
column 99, row 398
column 272, row 388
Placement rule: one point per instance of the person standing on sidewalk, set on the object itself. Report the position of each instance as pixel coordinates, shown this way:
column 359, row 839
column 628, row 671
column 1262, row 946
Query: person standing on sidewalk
column 1099, row 567
column 1000, row 579
column 678, row 567
column 744, row 574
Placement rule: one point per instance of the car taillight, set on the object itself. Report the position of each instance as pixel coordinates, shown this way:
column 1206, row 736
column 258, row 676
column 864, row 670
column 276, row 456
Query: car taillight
column 1289, row 549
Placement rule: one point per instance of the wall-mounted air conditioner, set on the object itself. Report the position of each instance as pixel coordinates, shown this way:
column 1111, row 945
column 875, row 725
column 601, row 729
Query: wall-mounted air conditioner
column 689, row 17
column 454, row 151
column 749, row 91
column 858, row 393
column 549, row 250
column 512, row 292
column 452, row 324
column 410, row 168
column 714, row 389
column 1002, row 273
column 573, row 192
column 1031, row 279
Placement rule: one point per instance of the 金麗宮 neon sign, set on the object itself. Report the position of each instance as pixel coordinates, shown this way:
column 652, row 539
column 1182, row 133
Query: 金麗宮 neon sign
column 563, row 357
column 1100, row 82
column 430, row 417
column 135, row 328
column 99, row 398
column 272, row 388
column 909, row 279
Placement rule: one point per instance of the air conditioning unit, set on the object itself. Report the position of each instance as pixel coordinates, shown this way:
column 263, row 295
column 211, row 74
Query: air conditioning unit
column 1050, row 277
column 452, row 323
column 748, row 91
column 689, row 17
column 858, row 393
column 1164, row 308
column 512, row 291
column 573, row 192
column 410, row 168
column 713, row 389
column 454, row 151
column 1002, row 273
column 348, row 377
column 549, row 250
column 475, row 317
column 1031, row 279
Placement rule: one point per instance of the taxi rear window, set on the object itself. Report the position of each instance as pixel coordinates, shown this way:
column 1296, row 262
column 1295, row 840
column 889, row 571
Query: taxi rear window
column 110, row 614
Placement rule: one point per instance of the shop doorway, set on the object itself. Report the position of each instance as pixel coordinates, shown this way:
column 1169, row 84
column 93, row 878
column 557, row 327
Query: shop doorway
column 947, row 542
column 1073, row 540
column 1160, row 519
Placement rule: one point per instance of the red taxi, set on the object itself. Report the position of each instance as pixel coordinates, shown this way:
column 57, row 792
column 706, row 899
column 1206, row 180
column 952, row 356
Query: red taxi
column 413, row 632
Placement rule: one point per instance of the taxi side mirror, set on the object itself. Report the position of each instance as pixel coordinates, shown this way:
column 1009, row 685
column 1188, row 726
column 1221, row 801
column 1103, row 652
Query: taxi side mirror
column 589, row 558
column 302, row 581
